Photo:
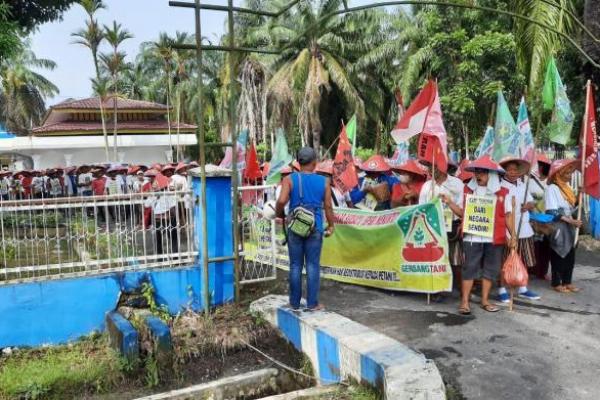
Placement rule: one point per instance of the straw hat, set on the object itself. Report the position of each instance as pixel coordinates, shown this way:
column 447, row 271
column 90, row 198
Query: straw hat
column 161, row 182
column 485, row 163
column 411, row 166
column 561, row 164
column 325, row 167
column 151, row 172
column 523, row 165
column 543, row 159
column 167, row 167
column 375, row 163
column 181, row 167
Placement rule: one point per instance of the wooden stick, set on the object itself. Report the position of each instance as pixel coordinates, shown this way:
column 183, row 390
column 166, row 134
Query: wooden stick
column 583, row 151
column 512, row 297
column 428, row 298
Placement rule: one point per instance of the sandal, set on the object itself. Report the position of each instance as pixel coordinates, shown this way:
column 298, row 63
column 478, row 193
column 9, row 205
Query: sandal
column 561, row 289
column 318, row 307
column 572, row 289
column 464, row 310
column 490, row 308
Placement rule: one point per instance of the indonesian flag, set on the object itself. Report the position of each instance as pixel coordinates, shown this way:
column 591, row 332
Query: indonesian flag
column 424, row 116
column 591, row 172
column 344, row 174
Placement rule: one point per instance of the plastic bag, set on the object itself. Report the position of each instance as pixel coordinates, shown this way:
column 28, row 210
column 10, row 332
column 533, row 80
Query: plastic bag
column 514, row 272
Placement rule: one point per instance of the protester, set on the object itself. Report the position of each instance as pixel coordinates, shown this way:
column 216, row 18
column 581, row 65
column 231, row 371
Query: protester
column 374, row 189
column 483, row 255
column 542, row 242
column 54, row 184
column 515, row 169
column 450, row 190
column 308, row 194
column 339, row 199
column 5, row 185
column 164, row 209
column 70, row 181
column 561, row 203
column 84, row 180
column 411, row 178
column 38, row 185
column 179, row 180
column 462, row 174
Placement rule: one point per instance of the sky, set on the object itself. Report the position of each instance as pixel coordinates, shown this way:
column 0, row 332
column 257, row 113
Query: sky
column 143, row 18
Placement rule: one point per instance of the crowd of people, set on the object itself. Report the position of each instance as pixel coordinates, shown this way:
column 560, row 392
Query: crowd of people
column 474, row 259
column 96, row 179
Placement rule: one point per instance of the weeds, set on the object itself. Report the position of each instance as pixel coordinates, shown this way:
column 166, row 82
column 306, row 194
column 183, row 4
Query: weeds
column 60, row 372
column 161, row 311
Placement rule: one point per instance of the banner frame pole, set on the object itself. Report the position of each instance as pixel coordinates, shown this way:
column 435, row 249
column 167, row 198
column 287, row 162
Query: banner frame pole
column 582, row 155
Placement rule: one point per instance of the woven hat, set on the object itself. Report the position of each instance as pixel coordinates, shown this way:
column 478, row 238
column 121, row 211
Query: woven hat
column 411, row 166
column 561, row 164
column 485, row 162
column 524, row 165
column 161, row 182
column 375, row 163
column 542, row 158
column 151, row 172
column 167, row 167
column 134, row 169
column 156, row 166
column 181, row 167
column 325, row 167
column 462, row 173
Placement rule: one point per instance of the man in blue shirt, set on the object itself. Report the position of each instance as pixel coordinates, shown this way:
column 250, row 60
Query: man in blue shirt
column 312, row 192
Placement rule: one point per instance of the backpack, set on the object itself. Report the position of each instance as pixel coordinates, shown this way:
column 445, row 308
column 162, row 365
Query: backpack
column 302, row 221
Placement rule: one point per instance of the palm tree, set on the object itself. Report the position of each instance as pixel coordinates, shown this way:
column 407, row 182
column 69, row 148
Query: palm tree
column 114, row 63
column 101, row 88
column 92, row 37
column 23, row 90
column 314, row 63
column 535, row 45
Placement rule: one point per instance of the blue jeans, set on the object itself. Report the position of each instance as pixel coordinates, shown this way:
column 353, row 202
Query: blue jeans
column 305, row 251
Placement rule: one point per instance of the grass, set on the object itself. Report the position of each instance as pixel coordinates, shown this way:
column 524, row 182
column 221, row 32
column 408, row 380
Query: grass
column 88, row 366
column 353, row 392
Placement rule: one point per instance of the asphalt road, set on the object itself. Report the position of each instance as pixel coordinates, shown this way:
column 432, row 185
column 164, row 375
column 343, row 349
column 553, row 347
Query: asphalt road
column 547, row 349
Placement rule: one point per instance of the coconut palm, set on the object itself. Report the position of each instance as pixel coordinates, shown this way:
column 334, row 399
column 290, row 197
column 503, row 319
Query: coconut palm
column 92, row 37
column 100, row 88
column 115, row 63
column 23, row 90
column 314, row 64
column 535, row 44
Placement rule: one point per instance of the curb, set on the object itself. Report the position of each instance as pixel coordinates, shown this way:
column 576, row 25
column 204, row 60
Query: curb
column 248, row 384
column 122, row 335
column 340, row 348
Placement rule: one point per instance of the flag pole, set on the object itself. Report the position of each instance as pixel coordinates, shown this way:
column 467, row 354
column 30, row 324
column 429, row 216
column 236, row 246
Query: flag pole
column 528, row 177
column 334, row 140
column 582, row 155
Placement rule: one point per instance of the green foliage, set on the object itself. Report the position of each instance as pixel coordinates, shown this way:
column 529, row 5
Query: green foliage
column 161, row 311
column 60, row 372
column 31, row 13
column 364, row 153
column 10, row 42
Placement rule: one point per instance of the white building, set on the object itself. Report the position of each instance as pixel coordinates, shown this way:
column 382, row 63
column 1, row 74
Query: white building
column 72, row 134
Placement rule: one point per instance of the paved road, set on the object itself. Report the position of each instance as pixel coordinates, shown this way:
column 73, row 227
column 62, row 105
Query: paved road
column 548, row 349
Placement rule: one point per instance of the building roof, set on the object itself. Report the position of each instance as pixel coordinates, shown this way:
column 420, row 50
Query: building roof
column 93, row 103
column 91, row 127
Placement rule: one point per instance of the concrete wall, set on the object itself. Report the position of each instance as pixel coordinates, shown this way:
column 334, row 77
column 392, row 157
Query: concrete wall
column 51, row 312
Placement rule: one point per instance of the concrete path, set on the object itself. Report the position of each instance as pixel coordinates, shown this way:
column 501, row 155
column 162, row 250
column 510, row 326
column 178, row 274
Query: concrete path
column 544, row 350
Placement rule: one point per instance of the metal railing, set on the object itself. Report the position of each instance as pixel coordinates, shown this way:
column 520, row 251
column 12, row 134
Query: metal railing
column 73, row 236
column 258, row 235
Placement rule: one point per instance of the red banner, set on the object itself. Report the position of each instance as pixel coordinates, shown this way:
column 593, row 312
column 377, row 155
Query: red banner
column 591, row 180
column 344, row 174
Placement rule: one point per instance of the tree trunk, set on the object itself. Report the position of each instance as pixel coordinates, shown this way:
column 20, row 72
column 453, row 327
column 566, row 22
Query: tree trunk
column 104, row 132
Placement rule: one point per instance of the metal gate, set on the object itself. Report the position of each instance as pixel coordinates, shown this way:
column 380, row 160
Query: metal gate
column 260, row 244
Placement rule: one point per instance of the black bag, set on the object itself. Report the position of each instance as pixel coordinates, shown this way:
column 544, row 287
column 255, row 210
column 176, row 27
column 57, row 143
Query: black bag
column 302, row 221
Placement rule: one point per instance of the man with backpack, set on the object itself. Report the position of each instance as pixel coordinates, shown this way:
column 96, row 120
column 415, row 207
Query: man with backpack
column 309, row 195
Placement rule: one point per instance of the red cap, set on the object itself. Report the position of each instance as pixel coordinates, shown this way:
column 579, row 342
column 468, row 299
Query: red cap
column 484, row 162
column 375, row 163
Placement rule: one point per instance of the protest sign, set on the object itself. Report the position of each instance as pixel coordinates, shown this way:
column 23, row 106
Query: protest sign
column 479, row 215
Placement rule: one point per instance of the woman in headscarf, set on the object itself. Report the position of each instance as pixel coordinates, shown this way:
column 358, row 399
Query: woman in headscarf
column 412, row 176
column 561, row 202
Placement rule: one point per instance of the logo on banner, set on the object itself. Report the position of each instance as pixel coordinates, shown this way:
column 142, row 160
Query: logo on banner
column 422, row 244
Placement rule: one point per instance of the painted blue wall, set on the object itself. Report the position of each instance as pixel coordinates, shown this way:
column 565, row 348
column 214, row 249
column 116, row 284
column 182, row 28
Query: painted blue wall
column 52, row 312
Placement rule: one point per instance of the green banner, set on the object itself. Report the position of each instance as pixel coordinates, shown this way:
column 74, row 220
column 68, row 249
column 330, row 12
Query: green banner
column 404, row 249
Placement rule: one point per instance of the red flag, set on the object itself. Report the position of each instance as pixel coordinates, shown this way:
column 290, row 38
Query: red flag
column 591, row 172
column 424, row 116
column 252, row 170
column 344, row 174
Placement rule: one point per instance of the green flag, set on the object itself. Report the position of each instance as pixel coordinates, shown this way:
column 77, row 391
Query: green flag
column 506, row 132
column 351, row 132
column 279, row 159
column 554, row 97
